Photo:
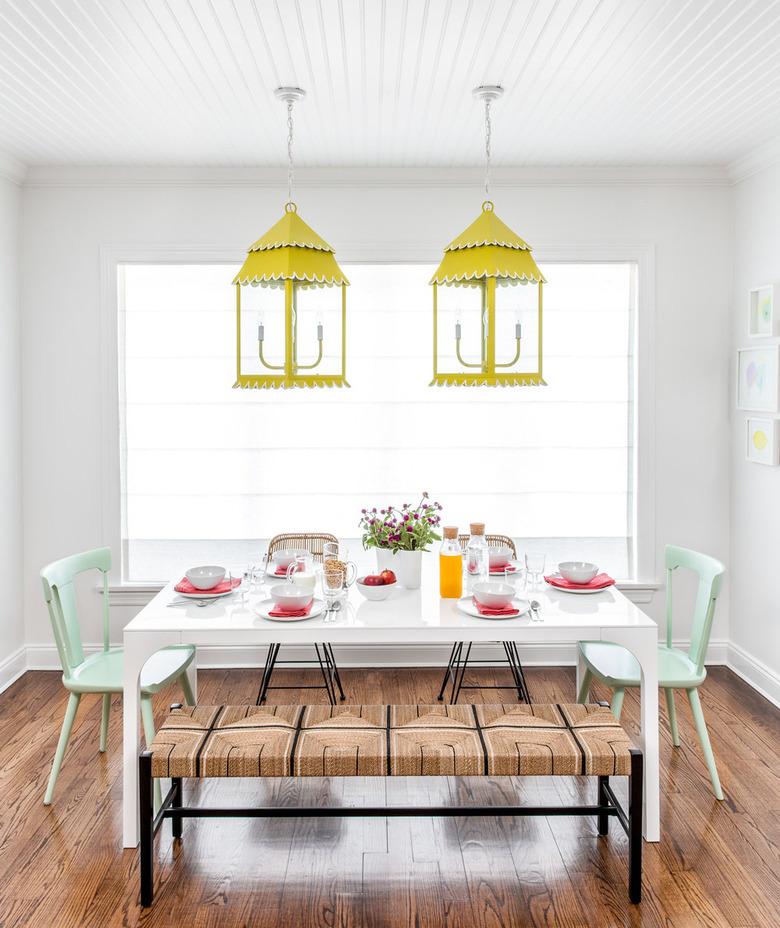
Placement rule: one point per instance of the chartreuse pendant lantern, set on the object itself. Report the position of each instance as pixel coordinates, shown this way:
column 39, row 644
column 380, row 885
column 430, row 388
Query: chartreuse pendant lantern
column 291, row 280
column 488, row 268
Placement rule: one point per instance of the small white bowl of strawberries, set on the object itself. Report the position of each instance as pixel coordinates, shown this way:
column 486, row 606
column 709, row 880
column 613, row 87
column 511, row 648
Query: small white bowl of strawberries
column 377, row 587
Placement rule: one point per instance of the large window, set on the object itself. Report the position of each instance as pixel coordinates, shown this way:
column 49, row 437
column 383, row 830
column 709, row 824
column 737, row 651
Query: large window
column 209, row 472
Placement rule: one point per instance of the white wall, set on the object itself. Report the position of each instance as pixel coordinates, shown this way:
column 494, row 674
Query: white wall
column 64, row 227
column 755, row 495
column 11, row 617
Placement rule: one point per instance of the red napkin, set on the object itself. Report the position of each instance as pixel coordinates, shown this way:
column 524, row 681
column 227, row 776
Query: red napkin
column 280, row 613
column 599, row 582
column 487, row 610
column 184, row 586
column 499, row 571
column 280, row 572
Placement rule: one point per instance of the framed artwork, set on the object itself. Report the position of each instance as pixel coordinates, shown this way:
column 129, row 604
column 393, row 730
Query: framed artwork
column 764, row 310
column 758, row 389
column 762, row 444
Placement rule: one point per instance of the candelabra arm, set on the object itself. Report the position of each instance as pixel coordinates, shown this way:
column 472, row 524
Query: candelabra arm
column 308, row 367
column 460, row 356
column 514, row 360
column 271, row 367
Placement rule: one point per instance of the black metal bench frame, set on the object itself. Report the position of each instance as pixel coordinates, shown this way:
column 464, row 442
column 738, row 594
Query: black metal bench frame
column 172, row 808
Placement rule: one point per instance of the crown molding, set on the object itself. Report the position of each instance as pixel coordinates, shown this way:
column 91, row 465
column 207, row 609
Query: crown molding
column 541, row 176
column 755, row 161
column 11, row 169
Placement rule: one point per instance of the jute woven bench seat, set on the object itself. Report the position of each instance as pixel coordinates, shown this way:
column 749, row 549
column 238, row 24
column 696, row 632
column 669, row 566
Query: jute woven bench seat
column 379, row 741
column 348, row 741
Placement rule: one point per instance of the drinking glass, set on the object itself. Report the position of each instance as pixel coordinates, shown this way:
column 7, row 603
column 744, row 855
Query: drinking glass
column 534, row 565
column 332, row 582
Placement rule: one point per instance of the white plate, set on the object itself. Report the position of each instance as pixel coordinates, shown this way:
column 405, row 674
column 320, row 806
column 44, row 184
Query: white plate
column 206, row 594
column 576, row 592
column 499, row 571
column 466, row 604
column 264, row 607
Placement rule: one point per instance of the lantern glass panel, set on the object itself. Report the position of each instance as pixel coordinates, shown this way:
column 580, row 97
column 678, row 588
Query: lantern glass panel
column 261, row 305
column 319, row 306
column 459, row 303
column 516, row 302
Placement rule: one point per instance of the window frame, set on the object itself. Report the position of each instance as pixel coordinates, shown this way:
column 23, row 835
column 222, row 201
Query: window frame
column 643, row 555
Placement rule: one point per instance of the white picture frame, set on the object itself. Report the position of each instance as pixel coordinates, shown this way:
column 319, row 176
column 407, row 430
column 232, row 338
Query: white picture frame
column 762, row 446
column 758, row 384
column 764, row 311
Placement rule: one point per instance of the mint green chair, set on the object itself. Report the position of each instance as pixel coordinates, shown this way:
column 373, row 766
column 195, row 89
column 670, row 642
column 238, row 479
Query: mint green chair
column 618, row 668
column 101, row 672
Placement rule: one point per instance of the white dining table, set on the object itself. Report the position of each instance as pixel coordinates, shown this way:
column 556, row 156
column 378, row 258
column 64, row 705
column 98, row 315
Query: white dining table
column 406, row 617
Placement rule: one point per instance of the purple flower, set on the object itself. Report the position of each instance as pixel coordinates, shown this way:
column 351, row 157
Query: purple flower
column 417, row 515
column 409, row 528
column 363, row 511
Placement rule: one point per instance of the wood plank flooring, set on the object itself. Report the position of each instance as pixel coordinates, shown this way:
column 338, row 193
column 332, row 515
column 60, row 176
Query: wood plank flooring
column 717, row 865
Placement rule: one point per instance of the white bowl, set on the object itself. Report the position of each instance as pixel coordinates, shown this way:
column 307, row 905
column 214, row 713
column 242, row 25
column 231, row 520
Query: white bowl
column 205, row 578
column 290, row 597
column 499, row 557
column 577, row 571
column 375, row 593
column 285, row 556
column 495, row 595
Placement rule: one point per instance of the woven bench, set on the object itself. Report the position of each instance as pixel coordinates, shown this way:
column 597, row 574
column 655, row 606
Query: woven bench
column 348, row 741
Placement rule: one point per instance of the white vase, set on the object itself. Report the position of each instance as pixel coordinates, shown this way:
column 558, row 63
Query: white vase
column 407, row 567
column 384, row 559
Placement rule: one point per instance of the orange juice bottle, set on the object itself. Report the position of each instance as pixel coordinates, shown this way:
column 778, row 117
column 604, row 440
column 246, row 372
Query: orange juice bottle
column 450, row 565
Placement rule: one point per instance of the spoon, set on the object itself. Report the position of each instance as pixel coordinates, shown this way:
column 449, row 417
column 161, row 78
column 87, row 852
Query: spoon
column 535, row 609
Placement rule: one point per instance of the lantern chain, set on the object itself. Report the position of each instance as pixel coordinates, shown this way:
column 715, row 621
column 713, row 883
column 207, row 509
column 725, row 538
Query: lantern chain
column 488, row 133
column 289, row 150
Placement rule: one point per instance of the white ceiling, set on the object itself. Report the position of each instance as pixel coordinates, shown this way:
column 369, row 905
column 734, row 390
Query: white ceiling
column 189, row 82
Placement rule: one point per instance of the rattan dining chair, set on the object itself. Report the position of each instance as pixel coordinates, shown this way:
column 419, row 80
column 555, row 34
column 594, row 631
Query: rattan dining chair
column 458, row 662
column 314, row 543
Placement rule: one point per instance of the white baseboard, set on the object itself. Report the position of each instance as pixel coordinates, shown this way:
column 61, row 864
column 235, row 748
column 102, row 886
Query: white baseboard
column 13, row 667
column 755, row 673
column 554, row 654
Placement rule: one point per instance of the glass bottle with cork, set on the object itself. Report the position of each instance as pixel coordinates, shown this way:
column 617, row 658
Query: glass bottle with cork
column 450, row 564
column 477, row 558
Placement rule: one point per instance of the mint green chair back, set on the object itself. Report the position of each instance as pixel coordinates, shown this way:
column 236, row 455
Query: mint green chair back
column 99, row 673
column 710, row 573
column 60, row 595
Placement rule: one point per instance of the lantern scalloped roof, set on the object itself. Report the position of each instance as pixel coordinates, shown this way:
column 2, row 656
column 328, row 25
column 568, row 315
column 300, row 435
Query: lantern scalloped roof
column 290, row 250
column 487, row 248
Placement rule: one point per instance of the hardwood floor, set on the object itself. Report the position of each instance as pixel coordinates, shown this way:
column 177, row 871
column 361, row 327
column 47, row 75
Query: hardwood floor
column 717, row 865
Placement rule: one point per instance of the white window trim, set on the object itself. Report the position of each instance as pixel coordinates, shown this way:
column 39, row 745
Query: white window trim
column 111, row 256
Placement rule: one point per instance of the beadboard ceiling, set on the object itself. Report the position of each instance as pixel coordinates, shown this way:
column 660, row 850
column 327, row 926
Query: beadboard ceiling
column 190, row 82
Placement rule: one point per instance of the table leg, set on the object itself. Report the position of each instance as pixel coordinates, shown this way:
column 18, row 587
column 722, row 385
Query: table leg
column 138, row 648
column 643, row 644
column 580, row 675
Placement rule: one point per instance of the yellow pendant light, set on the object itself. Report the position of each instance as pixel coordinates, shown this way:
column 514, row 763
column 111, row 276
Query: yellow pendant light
column 291, row 264
column 484, row 260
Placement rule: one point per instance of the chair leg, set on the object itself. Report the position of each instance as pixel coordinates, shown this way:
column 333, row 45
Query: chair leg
column 704, row 738
column 672, row 716
column 104, row 721
column 189, row 696
column 617, row 702
column 582, row 696
column 336, row 674
column 67, row 725
column 445, row 679
column 147, row 719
